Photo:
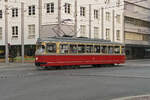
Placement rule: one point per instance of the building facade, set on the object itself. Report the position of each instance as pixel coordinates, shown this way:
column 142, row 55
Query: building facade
column 102, row 19
column 137, row 28
column 12, row 11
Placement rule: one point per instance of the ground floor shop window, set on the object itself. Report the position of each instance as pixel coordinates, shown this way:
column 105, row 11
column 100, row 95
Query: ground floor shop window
column 30, row 50
column 2, row 52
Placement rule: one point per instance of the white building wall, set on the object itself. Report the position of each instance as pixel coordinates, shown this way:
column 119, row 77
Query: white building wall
column 14, row 21
column 31, row 19
column 51, row 20
column 2, row 24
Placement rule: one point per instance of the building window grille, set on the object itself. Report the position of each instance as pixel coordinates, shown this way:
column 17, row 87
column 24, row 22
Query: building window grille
column 67, row 8
column 107, row 34
column 15, row 12
column 96, row 14
column 15, row 31
column 118, row 34
column 32, row 10
column 96, row 32
column 82, row 11
column 107, row 16
column 1, row 14
column 0, row 33
column 31, row 29
column 82, row 30
column 50, row 7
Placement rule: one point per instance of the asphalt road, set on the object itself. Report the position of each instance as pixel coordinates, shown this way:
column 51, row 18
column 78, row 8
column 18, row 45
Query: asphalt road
column 104, row 83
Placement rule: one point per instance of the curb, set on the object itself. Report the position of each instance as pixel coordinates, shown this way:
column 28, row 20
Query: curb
column 15, row 65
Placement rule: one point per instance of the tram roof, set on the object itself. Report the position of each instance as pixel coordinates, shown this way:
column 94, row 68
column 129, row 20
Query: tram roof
column 75, row 39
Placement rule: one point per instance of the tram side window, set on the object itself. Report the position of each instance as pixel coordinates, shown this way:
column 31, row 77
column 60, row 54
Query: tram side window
column 64, row 48
column 110, row 49
column 97, row 49
column 89, row 48
column 117, row 50
column 51, row 48
column 81, row 48
column 104, row 49
column 73, row 48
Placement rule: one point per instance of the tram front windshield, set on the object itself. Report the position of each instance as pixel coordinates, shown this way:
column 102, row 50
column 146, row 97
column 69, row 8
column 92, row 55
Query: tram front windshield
column 40, row 49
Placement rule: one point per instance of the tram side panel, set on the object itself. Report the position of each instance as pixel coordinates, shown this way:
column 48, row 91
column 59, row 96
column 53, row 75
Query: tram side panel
column 65, row 60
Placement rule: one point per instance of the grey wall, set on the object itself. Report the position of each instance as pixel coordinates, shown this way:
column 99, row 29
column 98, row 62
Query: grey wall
column 52, row 30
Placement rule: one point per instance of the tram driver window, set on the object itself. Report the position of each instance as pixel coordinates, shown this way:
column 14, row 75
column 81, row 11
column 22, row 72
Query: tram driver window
column 40, row 49
column 51, row 48
column 81, row 48
column 64, row 48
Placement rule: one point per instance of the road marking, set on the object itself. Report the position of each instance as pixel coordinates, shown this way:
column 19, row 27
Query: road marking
column 139, row 97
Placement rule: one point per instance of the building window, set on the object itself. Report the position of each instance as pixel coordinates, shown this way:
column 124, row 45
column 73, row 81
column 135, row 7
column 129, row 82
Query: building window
column 108, row 16
column 14, row 12
column 107, row 1
column 146, row 37
column 82, row 11
column 96, row 32
column 96, row 14
column 32, row 10
column 15, row 31
column 118, row 34
column 1, row 14
column 50, row 8
column 67, row 8
column 118, row 3
column 82, row 30
column 107, row 34
column 118, row 18
column 137, row 22
column 133, row 36
column 1, row 33
column 31, row 29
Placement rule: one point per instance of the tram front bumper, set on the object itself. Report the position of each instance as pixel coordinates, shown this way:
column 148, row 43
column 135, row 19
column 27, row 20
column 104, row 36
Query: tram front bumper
column 40, row 63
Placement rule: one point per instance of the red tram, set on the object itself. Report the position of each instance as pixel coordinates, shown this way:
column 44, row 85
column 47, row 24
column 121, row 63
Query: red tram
column 66, row 51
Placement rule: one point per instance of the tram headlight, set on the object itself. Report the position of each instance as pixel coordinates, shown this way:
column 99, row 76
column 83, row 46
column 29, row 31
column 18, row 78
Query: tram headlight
column 36, row 58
